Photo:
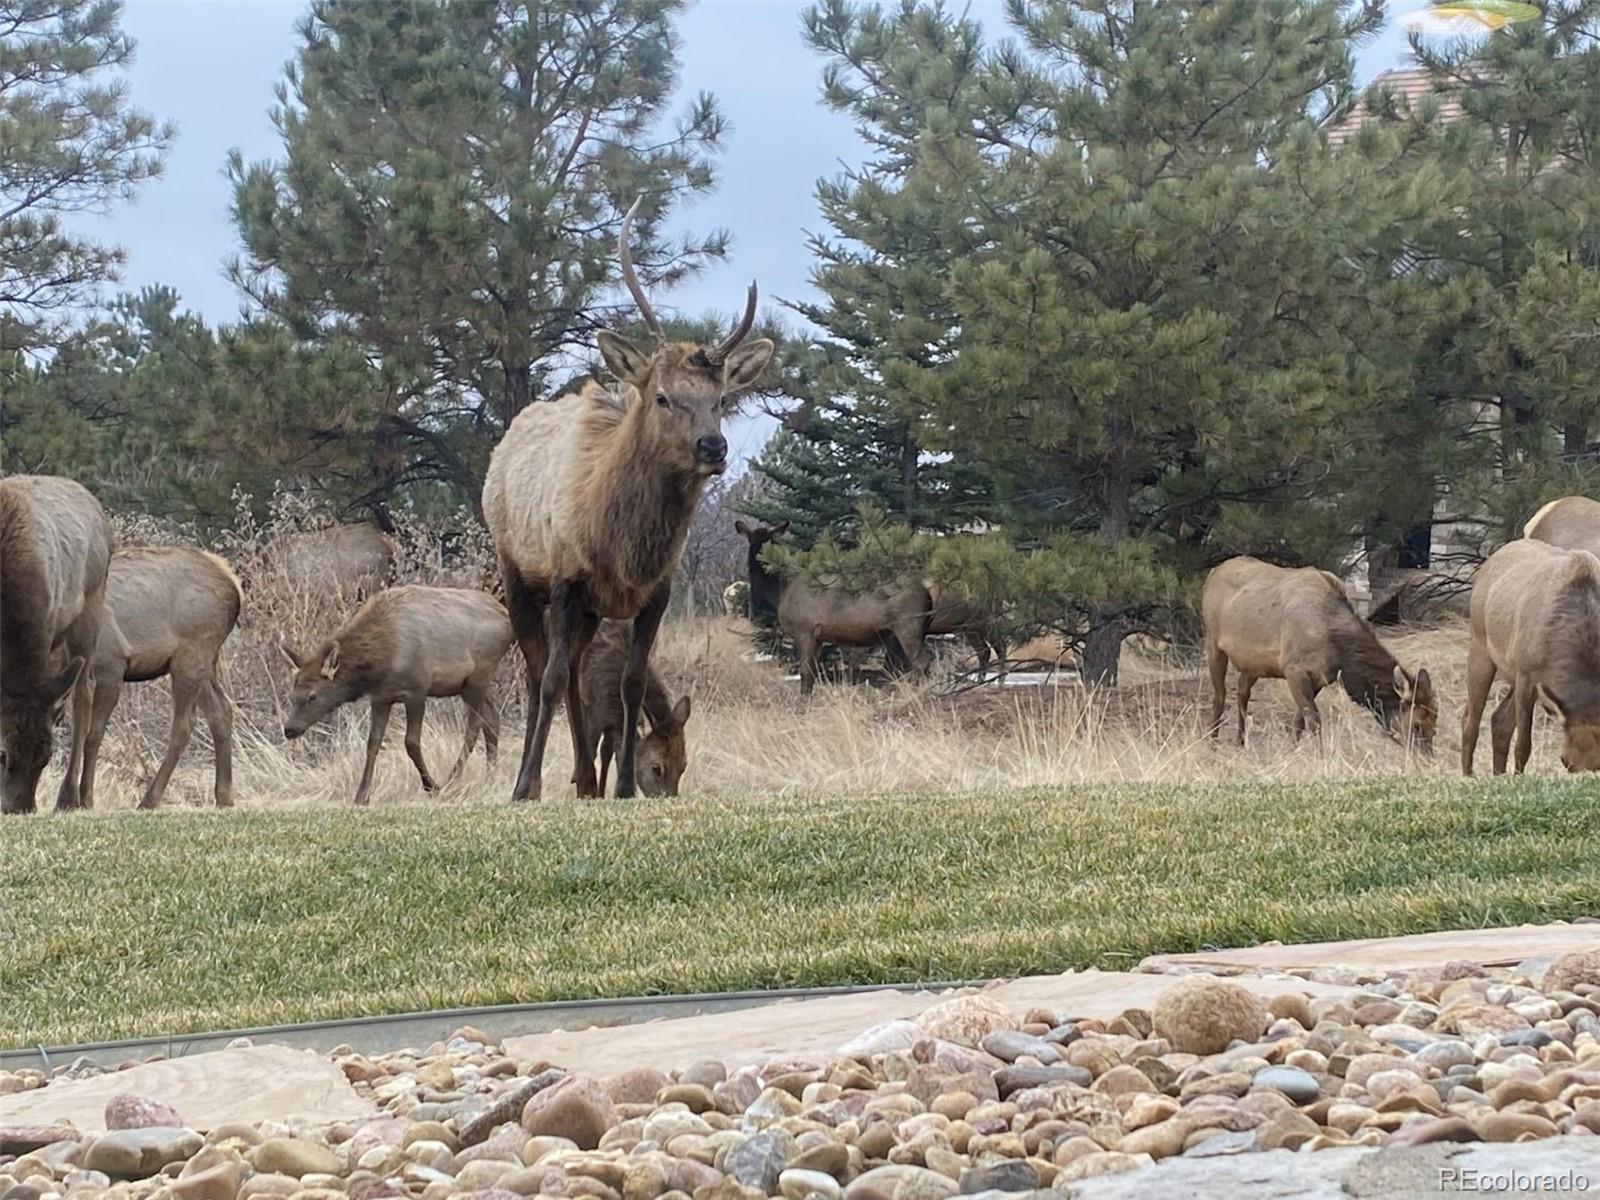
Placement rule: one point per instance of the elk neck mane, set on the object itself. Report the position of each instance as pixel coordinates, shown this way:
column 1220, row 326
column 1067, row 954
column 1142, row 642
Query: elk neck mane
column 633, row 506
column 1366, row 669
column 24, row 632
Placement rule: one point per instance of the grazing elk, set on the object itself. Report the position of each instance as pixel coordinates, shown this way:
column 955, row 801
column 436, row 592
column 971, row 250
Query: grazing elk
column 589, row 499
column 168, row 610
column 55, row 550
column 663, row 753
column 951, row 614
column 403, row 646
column 810, row 614
column 1296, row 624
column 351, row 560
column 1535, row 619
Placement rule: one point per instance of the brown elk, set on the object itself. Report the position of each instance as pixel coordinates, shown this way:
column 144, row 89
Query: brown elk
column 401, row 647
column 1572, row 523
column 811, row 614
column 168, row 610
column 1535, row 619
column 55, row 550
column 589, row 500
column 952, row 614
column 352, row 560
column 663, row 753
column 1297, row 624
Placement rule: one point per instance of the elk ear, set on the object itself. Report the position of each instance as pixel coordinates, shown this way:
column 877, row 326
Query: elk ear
column 741, row 529
column 295, row 659
column 745, row 364
column 330, row 661
column 623, row 359
column 1402, row 681
column 62, row 683
column 781, row 528
column 1424, row 686
column 1549, row 699
column 680, row 713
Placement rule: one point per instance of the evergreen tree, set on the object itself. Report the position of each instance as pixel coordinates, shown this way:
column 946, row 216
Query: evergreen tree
column 71, row 143
column 1145, row 267
column 453, row 180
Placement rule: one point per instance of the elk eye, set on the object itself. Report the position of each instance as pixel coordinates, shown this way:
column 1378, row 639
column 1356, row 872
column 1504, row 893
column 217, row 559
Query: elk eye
column 658, row 768
column 661, row 399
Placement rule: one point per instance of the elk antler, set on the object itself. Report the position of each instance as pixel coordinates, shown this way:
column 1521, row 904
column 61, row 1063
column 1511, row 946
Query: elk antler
column 740, row 330
column 632, row 280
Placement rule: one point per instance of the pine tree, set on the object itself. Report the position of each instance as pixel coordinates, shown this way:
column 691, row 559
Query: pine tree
column 450, row 193
column 1147, row 254
column 72, row 144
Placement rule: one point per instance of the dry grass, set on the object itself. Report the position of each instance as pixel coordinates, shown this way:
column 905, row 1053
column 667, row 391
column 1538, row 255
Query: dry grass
column 752, row 732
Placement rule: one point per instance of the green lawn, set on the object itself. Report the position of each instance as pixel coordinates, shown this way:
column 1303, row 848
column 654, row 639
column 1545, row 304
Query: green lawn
column 129, row 924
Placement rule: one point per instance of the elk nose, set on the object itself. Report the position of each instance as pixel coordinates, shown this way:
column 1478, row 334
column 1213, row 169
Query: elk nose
column 711, row 449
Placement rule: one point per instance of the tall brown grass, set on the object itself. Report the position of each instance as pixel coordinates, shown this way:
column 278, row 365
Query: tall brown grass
column 751, row 732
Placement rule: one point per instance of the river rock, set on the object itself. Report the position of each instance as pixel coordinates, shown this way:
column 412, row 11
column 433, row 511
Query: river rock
column 128, row 1111
column 1299, row 1086
column 294, row 1156
column 1200, row 1015
column 139, row 1153
column 576, row 1108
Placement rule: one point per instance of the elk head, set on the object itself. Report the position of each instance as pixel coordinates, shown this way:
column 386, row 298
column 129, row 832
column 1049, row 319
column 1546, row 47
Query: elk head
column 318, row 688
column 1416, row 714
column 663, row 755
column 686, row 390
column 1580, row 738
column 25, row 737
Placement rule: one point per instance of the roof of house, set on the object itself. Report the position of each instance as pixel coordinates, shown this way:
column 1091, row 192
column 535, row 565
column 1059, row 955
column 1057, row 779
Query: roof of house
column 1409, row 84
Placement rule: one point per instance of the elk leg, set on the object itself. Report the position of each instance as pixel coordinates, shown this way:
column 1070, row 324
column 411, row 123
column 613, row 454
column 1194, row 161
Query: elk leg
column 1307, row 716
column 607, row 749
column 1500, row 726
column 1246, row 684
column 1523, row 694
column 380, row 722
column 552, row 686
column 981, row 651
column 1480, row 678
column 469, row 699
column 416, row 709
column 583, row 626
column 185, row 693
column 526, row 610
column 71, row 795
column 219, row 719
column 106, row 692
column 633, row 680
column 1217, row 662
column 805, row 649
column 491, row 727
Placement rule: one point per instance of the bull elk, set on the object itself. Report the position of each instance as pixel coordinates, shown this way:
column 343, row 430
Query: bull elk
column 55, row 552
column 811, row 614
column 1296, row 624
column 402, row 647
column 1535, row 619
column 589, row 499
column 168, row 611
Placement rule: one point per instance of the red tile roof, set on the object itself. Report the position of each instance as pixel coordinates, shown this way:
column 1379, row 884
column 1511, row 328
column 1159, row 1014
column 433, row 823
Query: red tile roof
column 1409, row 85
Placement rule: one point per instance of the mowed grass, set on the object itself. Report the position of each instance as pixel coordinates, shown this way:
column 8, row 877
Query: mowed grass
column 127, row 924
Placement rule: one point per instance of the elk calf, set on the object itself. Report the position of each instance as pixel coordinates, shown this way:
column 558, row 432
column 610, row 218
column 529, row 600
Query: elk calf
column 1536, row 620
column 663, row 754
column 168, row 611
column 55, row 550
column 401, row 647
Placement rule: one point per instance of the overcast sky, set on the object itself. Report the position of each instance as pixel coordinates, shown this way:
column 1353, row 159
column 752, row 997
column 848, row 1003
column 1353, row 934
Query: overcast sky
column 211, row 65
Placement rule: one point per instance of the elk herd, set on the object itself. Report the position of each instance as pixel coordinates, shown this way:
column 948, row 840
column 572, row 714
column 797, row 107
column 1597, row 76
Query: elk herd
column 588, row 500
